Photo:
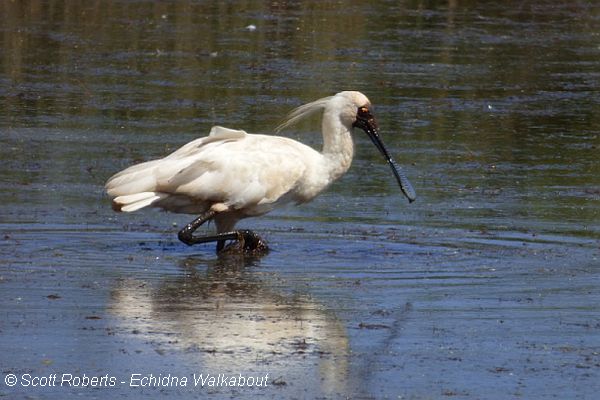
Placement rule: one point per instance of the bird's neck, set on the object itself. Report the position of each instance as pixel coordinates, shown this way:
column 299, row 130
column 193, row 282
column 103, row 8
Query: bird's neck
column 338, row 148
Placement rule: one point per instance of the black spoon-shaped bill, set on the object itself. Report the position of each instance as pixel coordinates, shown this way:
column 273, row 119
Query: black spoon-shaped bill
column 366, row 122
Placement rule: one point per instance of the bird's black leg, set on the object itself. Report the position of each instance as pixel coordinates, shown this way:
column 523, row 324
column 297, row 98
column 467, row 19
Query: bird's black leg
column 247, row 241
column 186, row 235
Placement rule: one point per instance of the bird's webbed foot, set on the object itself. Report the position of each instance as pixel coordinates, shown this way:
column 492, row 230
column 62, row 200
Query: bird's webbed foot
column 246, row 242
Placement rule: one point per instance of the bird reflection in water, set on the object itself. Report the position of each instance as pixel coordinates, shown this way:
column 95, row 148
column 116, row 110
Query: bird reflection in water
column 230, row 315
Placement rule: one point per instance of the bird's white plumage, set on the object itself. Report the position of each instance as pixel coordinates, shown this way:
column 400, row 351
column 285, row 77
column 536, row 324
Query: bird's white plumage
column 243, row 174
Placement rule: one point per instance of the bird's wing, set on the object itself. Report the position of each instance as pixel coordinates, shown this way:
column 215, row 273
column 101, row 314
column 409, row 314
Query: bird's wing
column 239, row 171
column 217, row 134
column 147, row 176
column 228, row 166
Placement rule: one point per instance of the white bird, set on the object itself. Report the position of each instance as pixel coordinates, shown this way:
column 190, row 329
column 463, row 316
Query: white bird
column 230, row 174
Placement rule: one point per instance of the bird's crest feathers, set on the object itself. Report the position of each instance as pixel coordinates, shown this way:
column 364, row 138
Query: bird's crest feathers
column 302, row 112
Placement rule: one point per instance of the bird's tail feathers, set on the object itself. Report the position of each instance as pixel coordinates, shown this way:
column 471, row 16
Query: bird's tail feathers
column 134, row 187
column 135, row 179
column 134, row 202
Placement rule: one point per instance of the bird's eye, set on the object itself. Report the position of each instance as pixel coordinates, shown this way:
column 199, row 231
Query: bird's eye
column 363, row 110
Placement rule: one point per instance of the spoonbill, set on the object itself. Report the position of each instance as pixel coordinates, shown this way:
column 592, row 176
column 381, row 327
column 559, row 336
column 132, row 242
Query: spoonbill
column 230, row 174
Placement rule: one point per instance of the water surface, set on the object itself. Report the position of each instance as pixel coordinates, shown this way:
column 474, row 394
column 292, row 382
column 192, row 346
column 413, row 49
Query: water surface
column 485, row 287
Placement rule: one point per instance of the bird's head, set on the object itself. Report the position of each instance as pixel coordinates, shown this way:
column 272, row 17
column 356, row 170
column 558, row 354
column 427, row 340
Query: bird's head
column 350, row 105
column 356, row 112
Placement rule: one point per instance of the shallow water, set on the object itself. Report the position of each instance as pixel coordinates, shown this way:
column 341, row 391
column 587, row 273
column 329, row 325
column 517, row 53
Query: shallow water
column 485, row 287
